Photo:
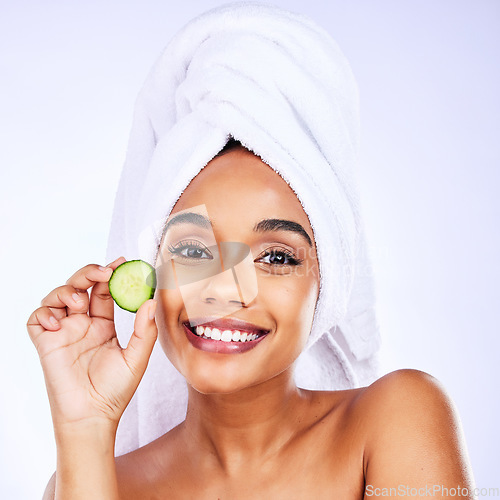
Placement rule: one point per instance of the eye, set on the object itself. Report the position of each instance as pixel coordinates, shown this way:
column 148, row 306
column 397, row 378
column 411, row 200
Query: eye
column 279, row 257
column 190, row 250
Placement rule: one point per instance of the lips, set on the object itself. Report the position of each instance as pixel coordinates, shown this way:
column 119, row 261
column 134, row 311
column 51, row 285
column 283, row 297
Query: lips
column 229, row 335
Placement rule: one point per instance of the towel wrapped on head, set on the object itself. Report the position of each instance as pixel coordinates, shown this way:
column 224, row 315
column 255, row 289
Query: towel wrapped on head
column 280, row 85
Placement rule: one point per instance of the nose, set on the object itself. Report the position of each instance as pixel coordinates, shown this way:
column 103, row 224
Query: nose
column 217, row 295
column 236, row 280
column 223, row 290
column 227, row 285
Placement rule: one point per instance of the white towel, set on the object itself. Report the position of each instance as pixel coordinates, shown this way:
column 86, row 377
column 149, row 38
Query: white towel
column 280, row 85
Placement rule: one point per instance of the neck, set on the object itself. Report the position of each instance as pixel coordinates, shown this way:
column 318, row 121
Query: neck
column 247, row 426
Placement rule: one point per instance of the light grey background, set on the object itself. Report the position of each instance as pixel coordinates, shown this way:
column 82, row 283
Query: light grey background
column 428, row 73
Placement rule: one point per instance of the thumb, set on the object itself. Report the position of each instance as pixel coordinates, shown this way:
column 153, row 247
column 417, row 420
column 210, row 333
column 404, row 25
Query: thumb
column 143, row 339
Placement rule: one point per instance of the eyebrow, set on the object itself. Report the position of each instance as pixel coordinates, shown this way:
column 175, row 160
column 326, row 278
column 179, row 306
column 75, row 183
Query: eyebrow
column 189, row 218
column 282, row 225
column 263, row 226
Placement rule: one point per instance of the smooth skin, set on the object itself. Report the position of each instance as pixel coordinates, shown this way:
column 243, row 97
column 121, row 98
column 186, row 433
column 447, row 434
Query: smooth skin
column 249, row 433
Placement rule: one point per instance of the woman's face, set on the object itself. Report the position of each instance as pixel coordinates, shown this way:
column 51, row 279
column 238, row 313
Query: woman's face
column 264, row 282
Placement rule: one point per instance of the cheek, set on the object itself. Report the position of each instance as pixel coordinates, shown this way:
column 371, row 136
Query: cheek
column 291, row 299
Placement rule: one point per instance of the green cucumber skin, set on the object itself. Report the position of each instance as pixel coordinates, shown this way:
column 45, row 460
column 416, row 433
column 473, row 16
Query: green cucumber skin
column 119, row 297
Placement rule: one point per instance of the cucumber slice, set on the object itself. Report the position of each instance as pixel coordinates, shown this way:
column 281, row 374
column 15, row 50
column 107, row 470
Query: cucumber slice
column 132, row 283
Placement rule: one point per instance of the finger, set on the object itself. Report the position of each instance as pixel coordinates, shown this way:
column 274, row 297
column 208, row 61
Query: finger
column 141, row 342
column 117, row 262
column 59, row 313
column 40, row 321
column 68, row 335
column 101, row 302
column 65, row 300
column 88, row 276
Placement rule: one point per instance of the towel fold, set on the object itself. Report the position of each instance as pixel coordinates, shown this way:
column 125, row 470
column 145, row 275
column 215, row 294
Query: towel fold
column 281, row 86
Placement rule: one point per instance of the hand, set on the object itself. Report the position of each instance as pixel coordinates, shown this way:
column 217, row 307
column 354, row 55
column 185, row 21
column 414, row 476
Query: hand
column 89, row 377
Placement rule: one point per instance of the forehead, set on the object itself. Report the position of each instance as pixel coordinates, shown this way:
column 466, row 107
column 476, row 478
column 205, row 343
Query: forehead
column 241, row 185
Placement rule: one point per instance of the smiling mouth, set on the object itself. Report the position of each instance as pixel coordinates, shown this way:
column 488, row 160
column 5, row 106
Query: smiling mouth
column 225, row 335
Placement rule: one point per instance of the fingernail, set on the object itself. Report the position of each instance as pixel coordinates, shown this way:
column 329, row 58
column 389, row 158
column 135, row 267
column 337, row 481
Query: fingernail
column 54, row 321
column 112, row 262
column 152, row 310
column 104, row 269
column 76, row 298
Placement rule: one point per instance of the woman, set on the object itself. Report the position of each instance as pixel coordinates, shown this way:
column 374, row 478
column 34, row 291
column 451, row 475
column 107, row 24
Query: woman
column 234, row 330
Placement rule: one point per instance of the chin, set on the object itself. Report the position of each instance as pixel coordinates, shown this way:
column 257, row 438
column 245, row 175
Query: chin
column 216, row 387
column 219, row 380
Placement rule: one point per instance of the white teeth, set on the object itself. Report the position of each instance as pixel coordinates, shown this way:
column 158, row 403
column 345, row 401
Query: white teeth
column 226, row 336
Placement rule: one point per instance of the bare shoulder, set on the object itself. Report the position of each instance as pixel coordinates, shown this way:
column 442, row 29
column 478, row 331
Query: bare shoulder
column 414, row 436
column 405, row 390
